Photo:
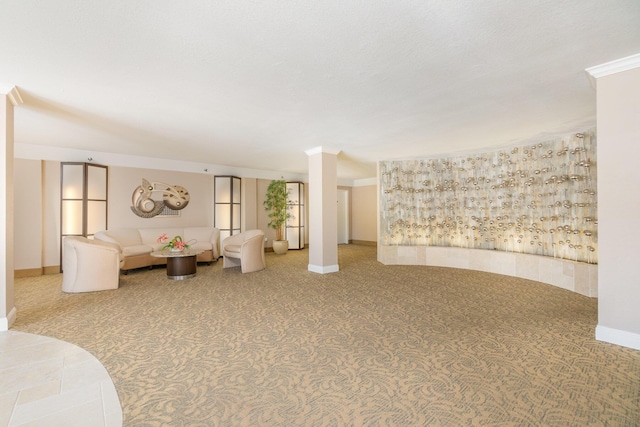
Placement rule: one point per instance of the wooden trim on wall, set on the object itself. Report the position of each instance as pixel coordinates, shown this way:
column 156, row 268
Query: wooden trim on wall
column 28, row 272
column 34, row 272
column 363, row 242
column 52, row 269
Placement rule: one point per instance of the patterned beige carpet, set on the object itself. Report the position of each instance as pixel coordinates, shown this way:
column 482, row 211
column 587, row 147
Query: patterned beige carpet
column 370, row 345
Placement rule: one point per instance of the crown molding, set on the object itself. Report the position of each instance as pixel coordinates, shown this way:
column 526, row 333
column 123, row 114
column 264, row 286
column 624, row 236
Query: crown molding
column 317, row 150
column 15, row 97
column 365, row 182
column 61, row 154
column 12, row 93
column 612, row 67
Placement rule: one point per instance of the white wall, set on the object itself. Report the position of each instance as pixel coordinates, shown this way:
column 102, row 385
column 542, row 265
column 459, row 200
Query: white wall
column 618, row 106
column 28, row 224
column 7, row 305
column 37, row 214
column 343, row 215
column 50, row 215
column 574, row 276
column 249, row 208
column 364, row 211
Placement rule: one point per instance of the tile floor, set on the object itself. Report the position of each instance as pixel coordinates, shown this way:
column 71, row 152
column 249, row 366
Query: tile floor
column 48, row 382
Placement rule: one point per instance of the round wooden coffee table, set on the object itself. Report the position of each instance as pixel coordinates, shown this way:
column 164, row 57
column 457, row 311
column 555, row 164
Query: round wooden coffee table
column 180, row 265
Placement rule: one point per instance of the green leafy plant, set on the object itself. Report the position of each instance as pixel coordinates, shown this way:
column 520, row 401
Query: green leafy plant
column 276, row 202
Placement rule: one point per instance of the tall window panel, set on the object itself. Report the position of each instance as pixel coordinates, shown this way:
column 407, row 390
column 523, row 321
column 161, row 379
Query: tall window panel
column 226, row 205
column 83, row 200
column 295, row 222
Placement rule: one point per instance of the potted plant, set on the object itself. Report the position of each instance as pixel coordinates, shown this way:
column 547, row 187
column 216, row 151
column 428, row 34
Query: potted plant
column 276, row 201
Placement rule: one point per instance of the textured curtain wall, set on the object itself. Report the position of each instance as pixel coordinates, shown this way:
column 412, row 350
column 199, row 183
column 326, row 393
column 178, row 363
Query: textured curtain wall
column 538, row 199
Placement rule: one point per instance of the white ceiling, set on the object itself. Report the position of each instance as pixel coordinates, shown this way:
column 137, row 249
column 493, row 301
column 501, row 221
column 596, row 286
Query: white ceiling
column 256, row 83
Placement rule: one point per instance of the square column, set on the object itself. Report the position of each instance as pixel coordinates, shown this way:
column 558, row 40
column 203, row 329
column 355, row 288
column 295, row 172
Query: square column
column 7, row 303
column 323, row 210
column 618, row 109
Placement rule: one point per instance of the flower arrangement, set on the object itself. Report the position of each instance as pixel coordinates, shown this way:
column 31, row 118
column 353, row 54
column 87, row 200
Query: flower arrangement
column 175, row 244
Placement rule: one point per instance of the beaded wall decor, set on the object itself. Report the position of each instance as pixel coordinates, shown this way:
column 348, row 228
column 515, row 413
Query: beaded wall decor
column 538, row 199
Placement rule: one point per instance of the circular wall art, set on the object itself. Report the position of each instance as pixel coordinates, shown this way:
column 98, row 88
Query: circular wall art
column 173, row 196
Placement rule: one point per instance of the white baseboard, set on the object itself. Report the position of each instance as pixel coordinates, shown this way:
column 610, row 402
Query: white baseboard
column 6, row 322
column 618, row 337
column 323, row 269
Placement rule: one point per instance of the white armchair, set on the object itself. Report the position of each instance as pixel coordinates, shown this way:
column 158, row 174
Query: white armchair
column 89, row 265
column 245, row 250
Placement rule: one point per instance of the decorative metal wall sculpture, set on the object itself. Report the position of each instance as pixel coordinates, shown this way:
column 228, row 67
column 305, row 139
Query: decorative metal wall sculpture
column 538, row 199
column 174, row 197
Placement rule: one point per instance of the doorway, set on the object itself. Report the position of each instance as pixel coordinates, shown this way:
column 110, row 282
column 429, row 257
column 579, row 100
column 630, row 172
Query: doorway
column 343, row 217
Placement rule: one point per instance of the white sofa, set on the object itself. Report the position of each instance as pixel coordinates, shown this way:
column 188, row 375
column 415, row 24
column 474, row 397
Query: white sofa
column 136, row 244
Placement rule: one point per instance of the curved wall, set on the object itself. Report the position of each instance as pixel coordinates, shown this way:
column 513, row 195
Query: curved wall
column 574, row 276
column 528, row 211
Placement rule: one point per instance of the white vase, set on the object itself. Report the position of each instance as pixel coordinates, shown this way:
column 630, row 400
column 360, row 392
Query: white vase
column 280, row 246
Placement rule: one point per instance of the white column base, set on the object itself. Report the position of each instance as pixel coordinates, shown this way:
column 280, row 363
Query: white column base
column 618, row 337
column 323, row 269
column 6, row 322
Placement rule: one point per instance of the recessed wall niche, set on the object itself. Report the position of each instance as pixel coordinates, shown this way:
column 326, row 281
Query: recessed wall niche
column 537, row 199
